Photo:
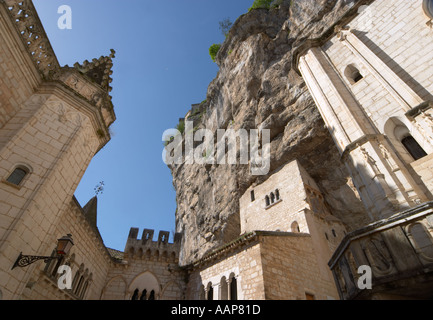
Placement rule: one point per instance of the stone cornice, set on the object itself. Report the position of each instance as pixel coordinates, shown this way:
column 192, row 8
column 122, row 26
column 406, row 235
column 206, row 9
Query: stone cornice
column 242, row 241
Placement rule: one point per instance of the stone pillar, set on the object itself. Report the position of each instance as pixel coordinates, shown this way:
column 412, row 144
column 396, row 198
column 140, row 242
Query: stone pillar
column 361, row 145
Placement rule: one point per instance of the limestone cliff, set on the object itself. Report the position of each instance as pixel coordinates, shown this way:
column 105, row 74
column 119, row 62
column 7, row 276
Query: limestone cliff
column 257, row 86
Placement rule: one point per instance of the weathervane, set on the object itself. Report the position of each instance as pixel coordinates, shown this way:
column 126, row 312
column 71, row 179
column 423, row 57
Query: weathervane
column 99, row 188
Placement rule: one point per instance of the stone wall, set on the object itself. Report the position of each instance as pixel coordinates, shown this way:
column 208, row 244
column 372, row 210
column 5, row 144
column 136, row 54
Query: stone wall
column 147, row 265
column 88, row 258
column 266, row 266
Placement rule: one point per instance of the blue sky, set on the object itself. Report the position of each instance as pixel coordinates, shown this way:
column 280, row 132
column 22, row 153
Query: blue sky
column 162, row 66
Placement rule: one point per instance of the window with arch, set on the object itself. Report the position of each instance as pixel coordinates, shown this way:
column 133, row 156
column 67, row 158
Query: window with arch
column 268, row 201
column 272, row 197
column 413, row 147
column 233, row 288
column 405, row 143
column 295, row 227
column 18, row 174
column 210, row 292
column 353, row 74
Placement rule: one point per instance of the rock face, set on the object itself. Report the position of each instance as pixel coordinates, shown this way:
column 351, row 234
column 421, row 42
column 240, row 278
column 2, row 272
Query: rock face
column 256, row 87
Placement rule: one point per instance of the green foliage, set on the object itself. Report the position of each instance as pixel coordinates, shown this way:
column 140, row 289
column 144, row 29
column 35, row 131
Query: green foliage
column 213, row 50
column 181, row 126
column 264, row 4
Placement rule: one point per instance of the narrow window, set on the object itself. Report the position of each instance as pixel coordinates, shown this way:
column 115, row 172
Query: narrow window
column 413, row 147
column 135, row 295
column 252, row 196
column 17, row 176
column 277, row 194
column 233, row 289
column 295, row 227
column 353, row 74
column 80, row 283
column 333, row 233
column 267, row 201
column 57, row 266
column 272, row 197
column 309, row 296
column 152, row 295
column 210, row 293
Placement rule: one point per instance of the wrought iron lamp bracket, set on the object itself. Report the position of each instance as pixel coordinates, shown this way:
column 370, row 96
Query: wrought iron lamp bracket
column 25, row 260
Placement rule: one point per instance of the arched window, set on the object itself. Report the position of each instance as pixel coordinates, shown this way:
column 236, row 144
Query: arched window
column 272, row 197
column 353, row 74
column 152, row 295
column 413, row 147
column 277, row 194
column 56, row 267
column 17, row 176
column 143, row 295
column 135, row 295
column 295, row 227
column 234, row 289
column 268, row 202
column 209, row 292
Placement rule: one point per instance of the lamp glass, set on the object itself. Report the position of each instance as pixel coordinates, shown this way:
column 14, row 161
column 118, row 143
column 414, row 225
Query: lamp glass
column 64, row 245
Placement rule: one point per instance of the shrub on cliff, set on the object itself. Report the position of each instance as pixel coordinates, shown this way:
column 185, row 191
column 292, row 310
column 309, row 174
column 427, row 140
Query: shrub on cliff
column 213, row 50
column 265, row 4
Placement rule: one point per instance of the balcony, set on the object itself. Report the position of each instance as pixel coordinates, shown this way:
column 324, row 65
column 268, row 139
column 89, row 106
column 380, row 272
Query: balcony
column 399, row 253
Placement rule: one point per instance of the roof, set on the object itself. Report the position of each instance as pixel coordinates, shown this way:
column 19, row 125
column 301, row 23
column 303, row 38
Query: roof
column 116, row 254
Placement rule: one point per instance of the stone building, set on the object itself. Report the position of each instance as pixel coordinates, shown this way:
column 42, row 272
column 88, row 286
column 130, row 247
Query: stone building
column 369, row 74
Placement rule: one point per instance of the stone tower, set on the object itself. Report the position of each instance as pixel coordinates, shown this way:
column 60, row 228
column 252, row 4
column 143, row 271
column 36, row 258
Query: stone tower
column 51, row 125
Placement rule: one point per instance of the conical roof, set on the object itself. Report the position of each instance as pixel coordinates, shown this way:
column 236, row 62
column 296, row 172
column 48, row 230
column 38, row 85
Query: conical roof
column 91, row 210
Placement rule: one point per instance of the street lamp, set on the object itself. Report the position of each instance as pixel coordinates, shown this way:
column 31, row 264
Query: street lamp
column 64, row 245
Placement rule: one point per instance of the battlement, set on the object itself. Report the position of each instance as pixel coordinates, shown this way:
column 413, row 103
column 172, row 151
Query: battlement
column 147, row 248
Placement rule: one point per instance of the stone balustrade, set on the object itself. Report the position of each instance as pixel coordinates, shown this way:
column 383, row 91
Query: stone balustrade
column 397, row 250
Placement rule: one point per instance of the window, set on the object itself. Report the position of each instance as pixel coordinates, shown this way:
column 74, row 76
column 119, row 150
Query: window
column 353, row 74
column 268, row 202
column 252, row 196
column 152, row 295
column 413, row 147
column 143, row 295
column 309, row 296
column 233, row 289
column 210, row 293
column 135, row 295
column 18, row 175
column 277, row 194
column 295, row 227
column 272, row 197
